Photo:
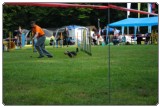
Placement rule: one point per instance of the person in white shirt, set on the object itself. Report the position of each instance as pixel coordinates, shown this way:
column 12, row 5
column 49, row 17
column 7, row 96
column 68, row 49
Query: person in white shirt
column 116, row 32
column 115, row 37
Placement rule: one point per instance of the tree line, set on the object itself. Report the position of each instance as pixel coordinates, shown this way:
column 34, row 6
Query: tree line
column 50, row 17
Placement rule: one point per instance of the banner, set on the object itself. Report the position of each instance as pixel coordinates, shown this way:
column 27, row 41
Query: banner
column 149, row 7
column 139, row 8
column 153, row 7
column 128, row 7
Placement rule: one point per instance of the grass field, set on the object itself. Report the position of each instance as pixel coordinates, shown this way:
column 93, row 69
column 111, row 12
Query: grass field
column 82, row 80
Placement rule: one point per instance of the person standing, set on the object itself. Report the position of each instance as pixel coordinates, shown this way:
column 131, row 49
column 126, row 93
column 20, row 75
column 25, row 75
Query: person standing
column 20, row 37
column 61, row 40
column 40, row 44
column 66, row 35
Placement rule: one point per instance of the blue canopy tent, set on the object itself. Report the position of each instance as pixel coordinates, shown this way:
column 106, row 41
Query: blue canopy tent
column 149, row 21
column 109, row 29
column 136, row 22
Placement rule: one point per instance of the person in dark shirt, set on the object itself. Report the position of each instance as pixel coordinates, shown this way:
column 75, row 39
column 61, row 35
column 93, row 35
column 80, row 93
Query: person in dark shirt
column 66, row 36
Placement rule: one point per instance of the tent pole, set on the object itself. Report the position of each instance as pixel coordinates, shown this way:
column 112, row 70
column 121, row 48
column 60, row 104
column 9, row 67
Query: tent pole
column 127, row 28
column 122, row 29
column 135, row 32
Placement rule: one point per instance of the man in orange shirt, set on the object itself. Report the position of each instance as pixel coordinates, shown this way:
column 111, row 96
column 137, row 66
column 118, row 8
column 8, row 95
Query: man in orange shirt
column 40, row 44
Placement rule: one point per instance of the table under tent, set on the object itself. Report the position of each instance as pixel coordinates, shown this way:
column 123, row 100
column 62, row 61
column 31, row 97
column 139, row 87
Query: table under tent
column 135, row 22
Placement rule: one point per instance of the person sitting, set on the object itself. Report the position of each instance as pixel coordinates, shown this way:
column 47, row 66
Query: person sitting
column 94, row 36
column 100, row 40
column 51, row 42
column 147, row 35
column 115, row 37
column 95, row 39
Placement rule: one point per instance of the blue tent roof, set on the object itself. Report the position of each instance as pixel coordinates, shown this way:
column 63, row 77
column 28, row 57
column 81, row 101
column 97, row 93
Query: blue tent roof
column 151, row 21
column 110, row 29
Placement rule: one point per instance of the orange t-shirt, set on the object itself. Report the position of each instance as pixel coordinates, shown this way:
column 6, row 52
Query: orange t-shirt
column 38, row 29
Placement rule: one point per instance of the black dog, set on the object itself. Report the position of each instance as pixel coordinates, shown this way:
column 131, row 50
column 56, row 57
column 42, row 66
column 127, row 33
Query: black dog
column 71, row 53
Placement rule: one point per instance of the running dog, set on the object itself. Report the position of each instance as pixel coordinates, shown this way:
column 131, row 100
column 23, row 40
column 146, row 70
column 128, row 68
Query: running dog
column 71, row 54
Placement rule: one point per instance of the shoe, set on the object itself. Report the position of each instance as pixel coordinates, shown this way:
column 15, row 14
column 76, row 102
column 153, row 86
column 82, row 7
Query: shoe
column 50, row 56
column 40, row 56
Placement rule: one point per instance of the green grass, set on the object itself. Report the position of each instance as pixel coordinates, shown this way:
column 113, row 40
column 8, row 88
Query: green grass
column 82, row 80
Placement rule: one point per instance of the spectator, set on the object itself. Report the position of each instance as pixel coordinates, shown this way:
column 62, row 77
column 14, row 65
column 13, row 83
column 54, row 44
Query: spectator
column 57, row 39
column 116, row 32
column 19, row 36
column 94, row 37
column 100, row 40
column 51, row 42
column 66, row 37
column 147, row 35
column 54, row 41
column 115, row 37
column 61, row 40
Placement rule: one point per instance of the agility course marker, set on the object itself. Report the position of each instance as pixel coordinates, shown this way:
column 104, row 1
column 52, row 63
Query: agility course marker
column 85, row 41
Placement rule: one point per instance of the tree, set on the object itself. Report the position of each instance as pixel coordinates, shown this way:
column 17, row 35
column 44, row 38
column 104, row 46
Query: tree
column 50, row 17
